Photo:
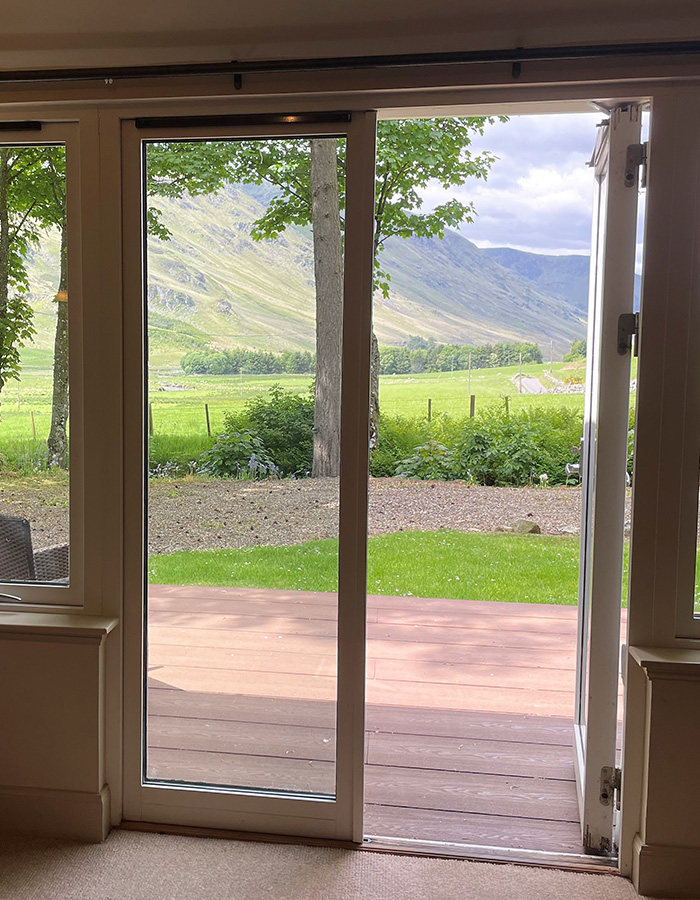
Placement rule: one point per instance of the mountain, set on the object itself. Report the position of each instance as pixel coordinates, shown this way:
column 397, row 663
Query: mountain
column 463, row 296
column 564, row 276
column 213, row 278
column 212, row 285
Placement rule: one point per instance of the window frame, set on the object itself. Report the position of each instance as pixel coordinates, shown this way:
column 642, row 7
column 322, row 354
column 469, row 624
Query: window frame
column 39, row 596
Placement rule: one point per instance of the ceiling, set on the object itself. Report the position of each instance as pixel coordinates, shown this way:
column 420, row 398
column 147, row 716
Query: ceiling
column 92, row 32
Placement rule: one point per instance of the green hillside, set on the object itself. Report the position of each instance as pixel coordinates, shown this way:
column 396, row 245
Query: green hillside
column 211, row 285
column 462, row 296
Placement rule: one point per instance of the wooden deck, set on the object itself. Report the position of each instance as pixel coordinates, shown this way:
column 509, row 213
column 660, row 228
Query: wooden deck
column 468, row 720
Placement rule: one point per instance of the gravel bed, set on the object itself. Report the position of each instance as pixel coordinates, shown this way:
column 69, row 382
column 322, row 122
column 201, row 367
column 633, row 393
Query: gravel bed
column 192, row 514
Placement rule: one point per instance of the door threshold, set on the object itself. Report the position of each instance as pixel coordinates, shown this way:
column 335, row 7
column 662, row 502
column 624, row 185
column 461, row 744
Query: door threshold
column 574, row 862
column 579, row 862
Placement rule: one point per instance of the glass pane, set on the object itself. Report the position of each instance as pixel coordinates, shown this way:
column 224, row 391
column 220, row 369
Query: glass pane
column 244, row 314
column 34, row 404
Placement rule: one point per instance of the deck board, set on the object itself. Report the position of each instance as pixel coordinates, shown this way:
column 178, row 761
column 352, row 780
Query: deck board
column 466, row 828
column 469, row 734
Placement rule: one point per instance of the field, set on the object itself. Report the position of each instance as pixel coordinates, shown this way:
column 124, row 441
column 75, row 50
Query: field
column 178, row 400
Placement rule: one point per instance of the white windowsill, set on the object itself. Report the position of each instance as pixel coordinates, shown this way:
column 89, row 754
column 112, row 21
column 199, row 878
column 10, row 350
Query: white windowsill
column 57, row 625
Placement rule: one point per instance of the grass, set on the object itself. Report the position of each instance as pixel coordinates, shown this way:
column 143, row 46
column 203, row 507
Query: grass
column 447, row 564
column 178, row 400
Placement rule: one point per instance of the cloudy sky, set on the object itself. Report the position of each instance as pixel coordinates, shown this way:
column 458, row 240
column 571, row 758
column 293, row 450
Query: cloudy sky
column 539, row 193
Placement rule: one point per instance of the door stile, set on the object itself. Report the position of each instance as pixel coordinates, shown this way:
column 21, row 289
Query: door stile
column 134, row 453
column 603, row 501
column 352, row 567
column 599, row 162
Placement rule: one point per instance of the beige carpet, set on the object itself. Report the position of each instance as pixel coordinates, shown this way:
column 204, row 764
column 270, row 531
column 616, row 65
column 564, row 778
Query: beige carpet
column 136, row 866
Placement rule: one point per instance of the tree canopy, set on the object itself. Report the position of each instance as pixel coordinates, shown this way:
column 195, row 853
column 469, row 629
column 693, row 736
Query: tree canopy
column 411, row 153
column 27, row 205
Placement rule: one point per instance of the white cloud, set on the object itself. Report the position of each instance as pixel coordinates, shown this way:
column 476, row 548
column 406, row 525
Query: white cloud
column 539, row 192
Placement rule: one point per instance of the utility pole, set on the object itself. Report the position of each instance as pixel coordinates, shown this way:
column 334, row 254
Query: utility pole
column 469, row 376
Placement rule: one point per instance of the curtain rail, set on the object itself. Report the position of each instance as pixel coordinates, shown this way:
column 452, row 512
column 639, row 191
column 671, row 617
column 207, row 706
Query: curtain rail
column 236, row 69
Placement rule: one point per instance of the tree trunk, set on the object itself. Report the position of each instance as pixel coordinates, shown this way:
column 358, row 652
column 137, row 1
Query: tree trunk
column 4, row 253
column 57, row 443
column 374, row 362
column 374, row 368
column 328, row 273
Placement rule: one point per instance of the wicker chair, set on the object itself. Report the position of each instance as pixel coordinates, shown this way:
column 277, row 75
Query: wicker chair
column 19, row 562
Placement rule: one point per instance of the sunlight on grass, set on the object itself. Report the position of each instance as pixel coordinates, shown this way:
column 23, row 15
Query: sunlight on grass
column 447, row 564
column 178, row 399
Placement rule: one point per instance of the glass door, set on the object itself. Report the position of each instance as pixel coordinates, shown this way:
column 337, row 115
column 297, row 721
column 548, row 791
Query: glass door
column 248, row 269
column 603, row 472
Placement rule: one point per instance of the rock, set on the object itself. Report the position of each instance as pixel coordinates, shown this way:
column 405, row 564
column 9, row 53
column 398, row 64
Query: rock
column 502, row 528
column 524, row 526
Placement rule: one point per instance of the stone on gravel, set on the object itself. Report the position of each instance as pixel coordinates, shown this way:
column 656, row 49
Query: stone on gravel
column 526, row 526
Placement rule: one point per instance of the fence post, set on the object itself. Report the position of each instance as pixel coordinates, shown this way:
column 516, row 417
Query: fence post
column 206, row 410
column 520, row 378
column 507, row 402
column 150, row 419
column 33, row 425
column 472, row 405
column 430, row 405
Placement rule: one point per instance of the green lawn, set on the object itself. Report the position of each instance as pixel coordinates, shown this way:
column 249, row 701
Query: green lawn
column 448, row 564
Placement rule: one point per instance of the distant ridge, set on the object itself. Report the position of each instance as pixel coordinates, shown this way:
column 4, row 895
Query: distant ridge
column 564, row 276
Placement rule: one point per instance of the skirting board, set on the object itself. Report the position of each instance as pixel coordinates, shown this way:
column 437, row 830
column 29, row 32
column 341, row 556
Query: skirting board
column 74, row 815
column 659, row 871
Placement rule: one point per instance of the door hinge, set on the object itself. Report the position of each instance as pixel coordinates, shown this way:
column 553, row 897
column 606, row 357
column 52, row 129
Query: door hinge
column 627, row 333
column 610, row 785
column 636, row 161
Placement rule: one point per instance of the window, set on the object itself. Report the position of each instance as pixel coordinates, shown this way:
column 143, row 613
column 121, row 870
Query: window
column 40, row 457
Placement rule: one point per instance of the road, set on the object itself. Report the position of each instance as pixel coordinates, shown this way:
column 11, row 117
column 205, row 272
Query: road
column 531, row 385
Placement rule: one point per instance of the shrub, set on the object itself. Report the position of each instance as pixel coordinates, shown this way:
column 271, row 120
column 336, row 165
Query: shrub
column 432, row 460
column 497, row 449
column 237, row 454
column 493, row 448
column 283, row 421
column 398, row 438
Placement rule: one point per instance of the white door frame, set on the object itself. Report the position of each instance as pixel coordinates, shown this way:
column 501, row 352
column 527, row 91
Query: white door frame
column 257, row 811
column 279, row 813
column 603, row 467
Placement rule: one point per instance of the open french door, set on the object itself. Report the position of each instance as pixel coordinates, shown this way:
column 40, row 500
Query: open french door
column 603, row 467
